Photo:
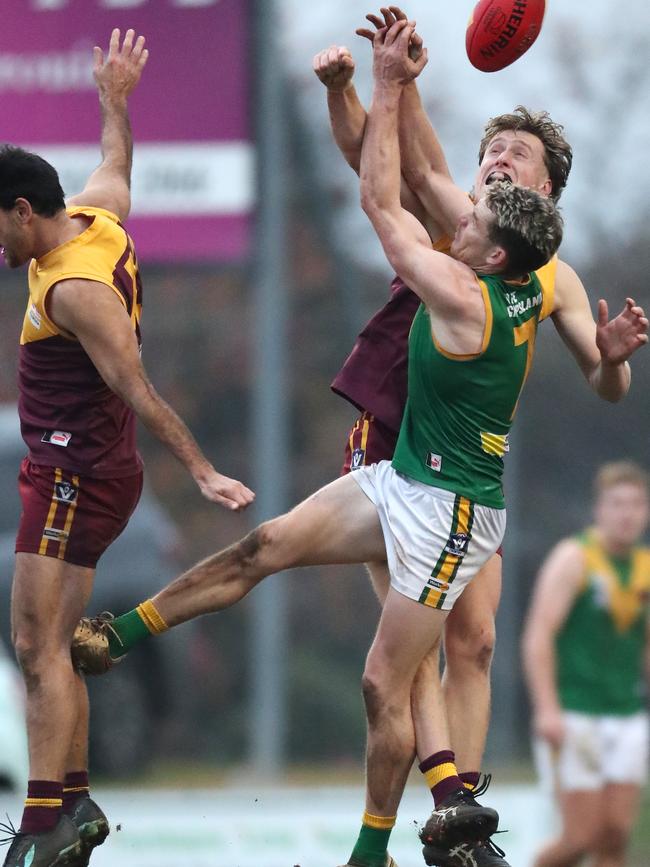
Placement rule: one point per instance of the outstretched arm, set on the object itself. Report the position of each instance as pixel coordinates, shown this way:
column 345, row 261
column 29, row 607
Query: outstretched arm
column 601, row 349
column 93, row 313
column 422, row 159
column 109, row 186
column 436, row 278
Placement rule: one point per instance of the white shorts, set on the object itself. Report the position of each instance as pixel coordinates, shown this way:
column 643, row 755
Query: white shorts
column 436, row 540
column 597, row 750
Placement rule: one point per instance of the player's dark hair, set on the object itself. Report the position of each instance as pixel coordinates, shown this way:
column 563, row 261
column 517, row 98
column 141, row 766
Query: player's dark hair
column 527, row 225
column 24, row 175
column 558, row 155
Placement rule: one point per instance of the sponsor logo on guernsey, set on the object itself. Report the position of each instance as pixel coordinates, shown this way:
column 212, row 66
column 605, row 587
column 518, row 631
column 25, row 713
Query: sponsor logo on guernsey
column 34, row 316
column 56, row 437
column 358, row 459
column 434, row 462
column 457, row 544
column 65, row 492
column 52, row 533
column 495, row 444
column 517, row 307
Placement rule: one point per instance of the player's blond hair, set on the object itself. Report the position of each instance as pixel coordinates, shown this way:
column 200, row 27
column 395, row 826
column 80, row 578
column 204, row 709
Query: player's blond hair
column 527, row 225
column 558, row 155
column 621, row 473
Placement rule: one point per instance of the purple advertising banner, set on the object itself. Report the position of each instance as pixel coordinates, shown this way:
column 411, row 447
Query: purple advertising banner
column 193, row 159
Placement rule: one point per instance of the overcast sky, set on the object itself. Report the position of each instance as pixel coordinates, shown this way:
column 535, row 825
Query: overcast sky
column 590, row 68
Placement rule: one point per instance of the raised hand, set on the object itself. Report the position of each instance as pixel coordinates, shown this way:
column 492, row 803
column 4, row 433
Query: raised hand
column 334, row 66
column 391, row 14
column 392, row 63
column 618, row 338
column 118, row 74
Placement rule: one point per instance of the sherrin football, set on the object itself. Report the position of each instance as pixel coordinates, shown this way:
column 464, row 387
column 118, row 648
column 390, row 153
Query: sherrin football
column 500, row 31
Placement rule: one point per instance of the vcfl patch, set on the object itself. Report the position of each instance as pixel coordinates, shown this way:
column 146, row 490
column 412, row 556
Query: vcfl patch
column 358, row 459
column 457, row 544
column 65, row 492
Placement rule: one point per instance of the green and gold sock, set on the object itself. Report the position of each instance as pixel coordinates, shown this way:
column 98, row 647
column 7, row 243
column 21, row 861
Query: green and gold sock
column 130, row 628
column 372, row 843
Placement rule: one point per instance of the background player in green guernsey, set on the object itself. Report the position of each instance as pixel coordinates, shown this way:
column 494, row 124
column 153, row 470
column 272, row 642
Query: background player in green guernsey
column 586, row 649
column 435, row 515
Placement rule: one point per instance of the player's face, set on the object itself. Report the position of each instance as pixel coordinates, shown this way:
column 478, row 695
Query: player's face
column 513, row 156
column 622, row 514
column 472, row 244
column 15, row 242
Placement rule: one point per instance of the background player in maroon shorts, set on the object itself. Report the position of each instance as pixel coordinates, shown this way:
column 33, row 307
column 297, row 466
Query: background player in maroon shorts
column 373, row 377
column 81, row 384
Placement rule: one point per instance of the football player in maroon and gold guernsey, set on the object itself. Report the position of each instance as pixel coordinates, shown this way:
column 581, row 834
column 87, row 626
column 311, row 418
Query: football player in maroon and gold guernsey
column 82, row 385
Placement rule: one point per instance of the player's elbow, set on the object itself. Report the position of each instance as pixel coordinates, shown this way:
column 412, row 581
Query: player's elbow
column 369, row 202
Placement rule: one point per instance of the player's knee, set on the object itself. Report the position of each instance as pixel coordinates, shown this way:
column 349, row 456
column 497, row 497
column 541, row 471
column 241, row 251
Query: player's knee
column 256, row 545
column 31, row 656
column 470, row 645
column 383, row 694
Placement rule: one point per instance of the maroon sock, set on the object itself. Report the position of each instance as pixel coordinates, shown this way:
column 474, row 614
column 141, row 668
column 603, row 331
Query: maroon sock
column 470, row 779
column 42, row 806
column 75, row 787
column 441, row 775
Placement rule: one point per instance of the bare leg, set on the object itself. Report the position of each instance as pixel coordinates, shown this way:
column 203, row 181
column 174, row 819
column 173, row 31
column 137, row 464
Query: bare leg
column 469, row 643
column 337, row 524
column 78, row 755
column 469, row 646
column 407, row 631
column 48, row 599
column 582, row 813
column 621, row 808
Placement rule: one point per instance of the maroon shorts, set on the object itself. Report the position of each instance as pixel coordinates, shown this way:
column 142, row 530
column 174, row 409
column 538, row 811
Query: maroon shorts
column 369, row 442
column 74, row 518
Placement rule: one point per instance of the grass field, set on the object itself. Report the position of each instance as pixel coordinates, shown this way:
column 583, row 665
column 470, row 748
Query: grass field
column 238, row 824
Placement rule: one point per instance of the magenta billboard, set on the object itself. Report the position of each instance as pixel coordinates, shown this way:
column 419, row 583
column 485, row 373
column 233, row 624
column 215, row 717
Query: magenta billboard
column 193, row 174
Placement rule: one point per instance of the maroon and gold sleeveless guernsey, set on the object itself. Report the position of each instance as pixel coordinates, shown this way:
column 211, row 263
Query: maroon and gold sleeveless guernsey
column 374, row 376
column 69, row 417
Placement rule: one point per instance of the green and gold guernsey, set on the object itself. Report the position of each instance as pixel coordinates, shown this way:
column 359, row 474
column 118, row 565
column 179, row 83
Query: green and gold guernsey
column 459, row 410
column 600, row 648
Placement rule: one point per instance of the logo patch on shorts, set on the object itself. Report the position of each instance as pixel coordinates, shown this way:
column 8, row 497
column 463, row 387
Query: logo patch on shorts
column 56, row 437
column 57, row 535
column 457, row 544
column 65, row 492
column 358, row 459
column 434, row 462
column 443, row 586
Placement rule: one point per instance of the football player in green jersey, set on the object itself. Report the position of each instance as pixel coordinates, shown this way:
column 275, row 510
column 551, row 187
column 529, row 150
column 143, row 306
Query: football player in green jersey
column 433, row 531
column 586, row 651
column 526, row 148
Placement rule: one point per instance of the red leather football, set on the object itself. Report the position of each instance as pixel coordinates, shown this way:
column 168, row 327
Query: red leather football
column 500, row 31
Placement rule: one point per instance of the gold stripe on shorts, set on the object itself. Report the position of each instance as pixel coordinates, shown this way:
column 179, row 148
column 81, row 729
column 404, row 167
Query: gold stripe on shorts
column 69, row 518
column 448, row 563
column 49, row 523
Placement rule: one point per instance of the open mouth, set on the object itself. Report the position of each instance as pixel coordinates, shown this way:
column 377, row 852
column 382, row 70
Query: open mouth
column 493, row 177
